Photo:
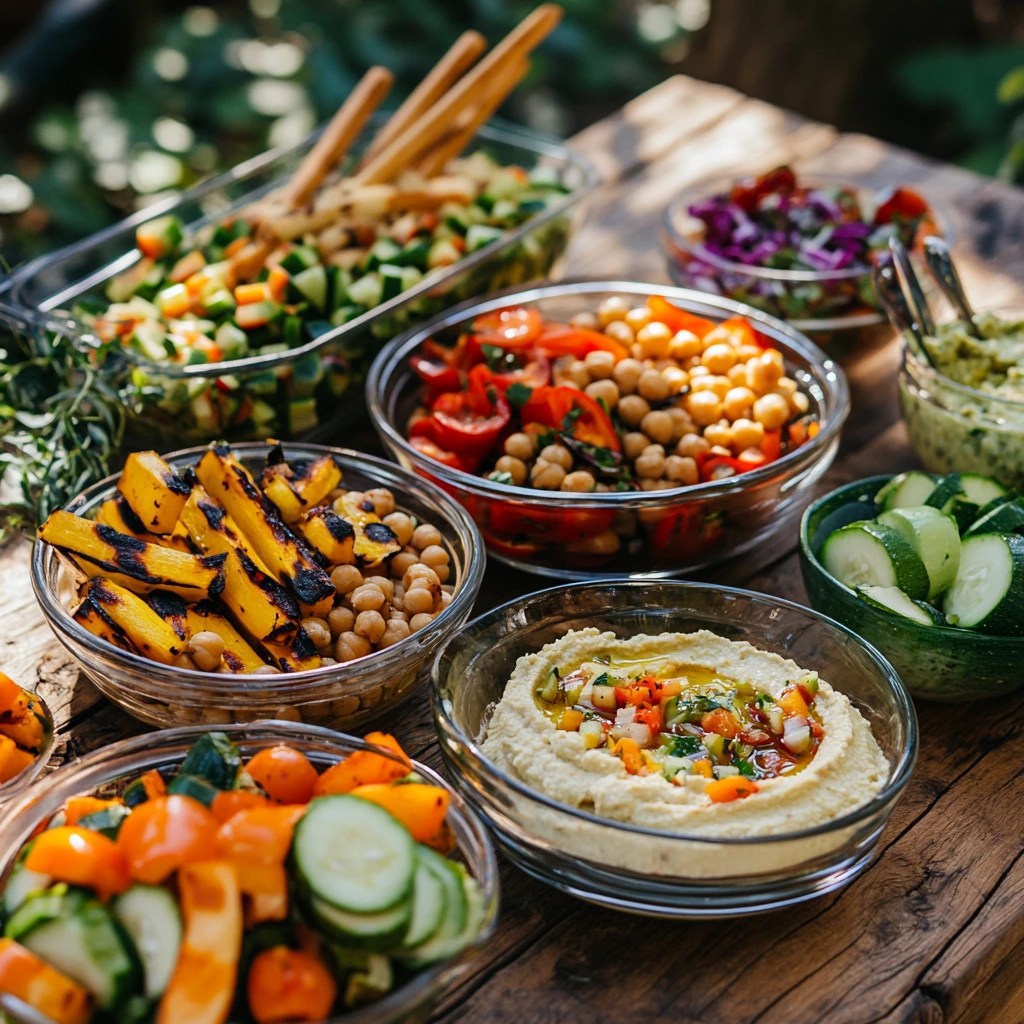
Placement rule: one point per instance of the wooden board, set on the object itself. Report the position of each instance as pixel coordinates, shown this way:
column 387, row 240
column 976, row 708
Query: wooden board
column 934, row 930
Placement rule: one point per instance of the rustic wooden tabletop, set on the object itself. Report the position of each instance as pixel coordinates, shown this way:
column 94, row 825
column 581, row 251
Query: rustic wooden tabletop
column 934, row 930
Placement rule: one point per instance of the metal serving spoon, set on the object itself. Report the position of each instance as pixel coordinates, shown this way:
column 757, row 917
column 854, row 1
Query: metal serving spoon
column 911, row 287
column 897, row 309
column 939, row 261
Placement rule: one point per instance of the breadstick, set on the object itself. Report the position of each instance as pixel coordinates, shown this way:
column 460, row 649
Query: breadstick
column 417, row 138
column 445, row 73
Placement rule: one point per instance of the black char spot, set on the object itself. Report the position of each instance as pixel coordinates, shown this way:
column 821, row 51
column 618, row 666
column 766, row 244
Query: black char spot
column 380, row 533
column 340, row 529
column 128, row 516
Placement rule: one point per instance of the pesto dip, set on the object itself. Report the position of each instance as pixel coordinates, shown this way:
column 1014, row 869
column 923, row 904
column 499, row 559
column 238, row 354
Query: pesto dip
column 969, row 416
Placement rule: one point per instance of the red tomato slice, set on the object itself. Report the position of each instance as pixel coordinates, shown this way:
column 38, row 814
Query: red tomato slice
column 514, row 328
column 678, row 319
column 432, row 450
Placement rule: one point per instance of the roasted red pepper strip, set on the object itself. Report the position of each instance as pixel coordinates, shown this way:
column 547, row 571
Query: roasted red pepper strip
column 708, row 462
column 539, row 523
column 470, row 422
column 678, row 319
column 428, row 446
column 438, row 376
column 513, row 328
column 536, row 373
column 550, row 406
column 565, row 340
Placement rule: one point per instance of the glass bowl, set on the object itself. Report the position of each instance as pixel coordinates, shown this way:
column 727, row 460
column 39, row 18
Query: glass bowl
column 298, row 392
column 844, row 300
column 664, row 533
column 643, row 870
column 936, row 663
column 341, row 695
column 12, row 787
column 111, row 768
column 955, row 428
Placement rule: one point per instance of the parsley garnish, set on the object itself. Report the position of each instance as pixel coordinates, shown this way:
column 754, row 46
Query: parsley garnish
column 680, row 746
column 745, row 767
column 602, row 680
column 500, row 477
column 518, row 395
column 570, row 418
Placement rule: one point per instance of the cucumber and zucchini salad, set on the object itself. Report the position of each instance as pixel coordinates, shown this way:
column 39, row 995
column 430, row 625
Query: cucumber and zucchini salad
column 195, row 299
column 261, row 891
column 941, row 551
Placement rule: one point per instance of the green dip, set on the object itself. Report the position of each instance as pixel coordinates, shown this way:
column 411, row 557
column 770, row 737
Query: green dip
column 993, row 363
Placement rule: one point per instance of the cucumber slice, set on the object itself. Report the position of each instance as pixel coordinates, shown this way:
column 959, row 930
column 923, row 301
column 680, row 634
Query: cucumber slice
column 892, row 599
column 429, row 903
column 443, row 948
column 935, row 538
column 354, row 855
column 449, row 876
column 948, row 488
column 311, row 284
column 905, row 490
column 988, row 592
column 876, row 555
column 851, row 512
column 215, row 758
column 21, row 884
column 151, row 917
column 1007, row 517
column 981, row 489
column 380, row 931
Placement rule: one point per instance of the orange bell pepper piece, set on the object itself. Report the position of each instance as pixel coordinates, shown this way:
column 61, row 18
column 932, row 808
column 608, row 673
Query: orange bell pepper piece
column 10, row 692
column 227, row 803
column 702, row 766
column 722, row 722
column 247, row 293
column 77, row 807
column 289, row 985
column 236, row 245
column 285, row 774
column 421, row 808
column 732, row 787
column 363, row 768
column 164, row 834
column 262, row 835
column 277, row 280
column 13, row 760
column 153, row 783
column 26, row 977
column 792, row 703
column 257, row 879
column 629, row 751
column 80, row 856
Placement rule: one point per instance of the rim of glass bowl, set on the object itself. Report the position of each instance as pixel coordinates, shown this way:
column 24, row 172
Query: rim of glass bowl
column 147, row 751
column 393, row 359
column 169, row 682
column 900, row 771
column 930, row 373
column 29, row 775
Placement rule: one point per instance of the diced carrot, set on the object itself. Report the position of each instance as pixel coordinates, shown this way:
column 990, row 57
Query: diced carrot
column 629, row 751
column 227, row 803
column 289, row 985
column 247, row 293
column 570, row 720
column 10, row 693
column 260, row 834
column 285, row 774
column 237, row 245
column 421, row 808
column 189, row 264
column 793, row 703
column 277, row 282
column 80, row 856
column 77, row 807
column 732, row 787
column 175, row 301
column 37, row 984
column 210, row 348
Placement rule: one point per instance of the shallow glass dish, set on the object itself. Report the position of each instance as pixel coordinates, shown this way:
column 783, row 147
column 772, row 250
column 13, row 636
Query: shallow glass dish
column 956, row 428
column 664, row 533
column 111, row 768
column 36, row 298
column 846, row 298
column 643, row 870
column 341, row 695
column 937, row 662
column 12, row 787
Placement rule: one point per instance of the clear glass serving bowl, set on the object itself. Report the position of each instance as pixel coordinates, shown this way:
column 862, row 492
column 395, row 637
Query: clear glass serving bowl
column 643, row 870
column 12, row 787
column 303, row 385
column 956, row 428
column 663, row 533
column 844, row 299
column 110, row 769
column 937, row 662
column 341, row 695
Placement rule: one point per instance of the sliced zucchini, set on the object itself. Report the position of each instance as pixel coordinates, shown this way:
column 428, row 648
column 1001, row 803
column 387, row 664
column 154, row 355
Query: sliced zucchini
column 905, row 490
column 22, row 883
column 876, row 555
column 215, row 758
column 963, row 513
column 948, row 488
column 194, row 787
column 892, row 599
column 151, row 917
column 442, row 947
column 851, row 512
column 1006, row 517
column 354, row 855
column 988, row 592
column 981, row 489
column 429, row 902
column 382, row 931
column 935, row 538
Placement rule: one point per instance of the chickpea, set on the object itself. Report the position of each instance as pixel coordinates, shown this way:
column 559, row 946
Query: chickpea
column 763, row 374
column 638, row 317
column 685, row 345
column 681, row 422
column 206, row 648
column 355, row 497
column 418, row 622
column 370, row 624
column 434, row 556
column 704, row 407
column 615, row 307
column 627, row 373
column 720, row 385
column 184, row 660
column 634, row 443
column 681, row 469
column 632, row 409
column 395, row 631
column 547, row 476
column 799, row 403
column 771, row 411
column 747, row 352
column 606, row 391
column 786, row 387
column 580, row 480
column 318, row 630
column 719, row 358
column 346, row 578
column 655, row 339
column 557, row 454
column 579, row 374
column 340, row 620
column 656, row 485
column 367, row 597
column 658, row 426
column 383, row 501
column 746, row 434
column 446, row 598
column 442, row 572
column 697, row 371
column 600, row 365
column 738, row 375
column 691, row 445
column 719, row 433
column 520, row 446
column 515, row 468
column 350, row 646
column 651, row 462
column 267, row 670
column 401, row 526
column 424, row 535
column 652, row 386
column 587, row 320
column 620, row 331
column 605, row 543
column 419, row 571
column 418, row 600
column 675, row 378
column 716, row 336
column 737, row 402
column 400, row 563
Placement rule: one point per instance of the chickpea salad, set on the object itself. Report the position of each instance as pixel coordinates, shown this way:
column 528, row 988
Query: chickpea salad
column 620, row 398
column 212, row 569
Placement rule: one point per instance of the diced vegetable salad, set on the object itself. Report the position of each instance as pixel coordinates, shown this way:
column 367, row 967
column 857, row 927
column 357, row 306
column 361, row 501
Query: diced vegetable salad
column 775, row 222
column 716, row 735
column 216, row 570
column 193, row 300
column 265, row 891
column 943, row 551
column 25, row 729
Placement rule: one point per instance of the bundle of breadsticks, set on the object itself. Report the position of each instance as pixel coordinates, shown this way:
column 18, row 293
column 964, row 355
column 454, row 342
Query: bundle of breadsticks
column 404, row 167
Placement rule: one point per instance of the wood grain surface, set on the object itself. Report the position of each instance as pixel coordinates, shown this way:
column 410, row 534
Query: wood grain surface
column 933, row 932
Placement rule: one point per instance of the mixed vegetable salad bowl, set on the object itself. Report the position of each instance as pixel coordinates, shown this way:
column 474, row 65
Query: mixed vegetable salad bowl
column 606, row 428
column 956, row 557
column 335, row 656
column 99, row 895
column 26, row 737
column 201, row 359
column 651, row 870
column 799, row 248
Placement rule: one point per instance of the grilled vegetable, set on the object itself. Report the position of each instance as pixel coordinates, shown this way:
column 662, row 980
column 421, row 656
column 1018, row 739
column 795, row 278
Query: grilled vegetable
column 295, row 491
column 173, row 609
column 25, row 722
column 131, row 563
column 296, row 655
column 30, row 979
column 374, row 540
column 149, row 634
column 332, row 536
column 238, row 655
column 155, row 492
column 117, row 514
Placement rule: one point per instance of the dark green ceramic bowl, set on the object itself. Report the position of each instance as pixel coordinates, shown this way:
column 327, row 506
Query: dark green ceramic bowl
column 934, row 662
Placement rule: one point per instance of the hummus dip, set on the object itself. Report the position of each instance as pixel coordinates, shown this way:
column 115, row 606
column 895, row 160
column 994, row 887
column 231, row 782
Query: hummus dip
column 684, row 732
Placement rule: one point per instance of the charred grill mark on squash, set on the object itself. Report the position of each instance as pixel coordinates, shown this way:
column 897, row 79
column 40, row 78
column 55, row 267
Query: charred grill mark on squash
column 149, row 634
column 173, row 609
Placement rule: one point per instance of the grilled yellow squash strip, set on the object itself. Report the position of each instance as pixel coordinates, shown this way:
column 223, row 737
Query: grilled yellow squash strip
column 155, row 492
column 238, row 656
column 90, row 615
column 148, row 633
column 117, row 514
column 302, row 490
column 374, row 540
column 332, row 536
column 297, row 655
column 173, row 609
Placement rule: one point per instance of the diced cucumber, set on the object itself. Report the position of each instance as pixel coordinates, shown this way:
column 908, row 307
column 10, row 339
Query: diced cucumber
column 135, row 794
column 307, row 372
column 1006, row 517
column 429, row 901
column 311, row 284
column 366, row 291
column 384, row 250
column 892, row 599
column 231, row 340
column 713, row 743
column 343, row 314
column 988, row 592
column 383, row 930
column 151, row 917
column 391, row 281
column 194, row 787
column 480, row 235
column 21, row 883
column 981, row 489
column 256, row 314
column 851, row 512
column 369, row 985
column 443, row 253
column 148, row 337
column 905, row 490
column 158, row 237
column 414, row 254
column 262, row 383
column 108, row 821
column 215, row 758
column 219, row 303
column 300, row 258
column 338, row 280
column 441, row 947
column 875, row 555
column 354, row 855
column 302, row 414
column 935, row 538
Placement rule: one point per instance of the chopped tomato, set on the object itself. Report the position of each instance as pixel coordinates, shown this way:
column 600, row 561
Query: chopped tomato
column 732, row 787
column 904, row 204
column 651, row 717
column 462, row 425
column 591, row 424
column 289, row 985
column 722, row 722
column 678, row 319
column 517, row 519
column 432, row 450
column 438, row 376
column 719, row 467
column 164, row 834
column 514, row 328
column 80, row 856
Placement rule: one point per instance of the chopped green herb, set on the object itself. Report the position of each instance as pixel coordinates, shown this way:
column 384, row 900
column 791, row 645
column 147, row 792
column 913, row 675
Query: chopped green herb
column 570, row 418
column 745, row 767
column 602, row 659
column 602, row 680
column 518, row 395
column 680, row 746
column 501, row 477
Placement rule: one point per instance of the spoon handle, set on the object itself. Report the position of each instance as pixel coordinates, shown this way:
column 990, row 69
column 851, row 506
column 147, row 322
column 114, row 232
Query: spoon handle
column 939, row 262
column 912, row 287
column 897, row 309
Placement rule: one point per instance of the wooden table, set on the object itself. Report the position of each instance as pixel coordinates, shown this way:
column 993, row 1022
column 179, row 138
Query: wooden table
column 934, row 930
